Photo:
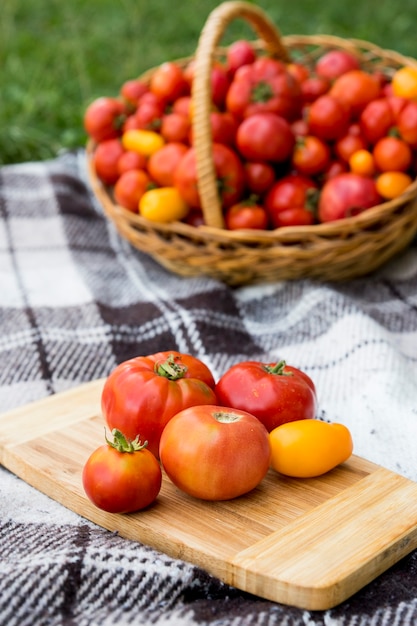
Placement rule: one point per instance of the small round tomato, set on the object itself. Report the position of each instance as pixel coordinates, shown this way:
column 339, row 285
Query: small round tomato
column 142, row 394
column 168, row 81
column 104, row 118
column 311, row 155
column 130, row 187
column 355, row 89
column 132, row 90
column 392, row 153
column 162, row 163
column 334, row 63
column 265, row 137
column 175, row 127
column 314, row 87
column 362, row 162
column 259, row 176
column 163, row 204
column 346, row 195
column 328, row 118
column 404, row 82
column 308, row 448
column 291, row 201
column 350, row 142
column 376, row 119
column 407, row 123
column 240, row 52
column 246, row 214
column 122, row 476
column 131, row 160
column 392, row 184
column 214, row 452
column 275, row 393
column 105, row 160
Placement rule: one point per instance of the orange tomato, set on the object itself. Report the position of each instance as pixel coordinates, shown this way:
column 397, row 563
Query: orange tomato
column 362, row 162
column 145, row 142
column 163, row 204
column 392, row 184
column 404, row 82
column 308, row 448
column 392, row 153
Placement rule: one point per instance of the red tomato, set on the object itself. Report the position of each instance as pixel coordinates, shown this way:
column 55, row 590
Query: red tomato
column 291, row 201
column 334, row 63
column 392, row 153
column 122, row 476
column 168, row 81
column 328, row 118
column 407, row 123
column 259, row 176
column 182, row 105
column 162, row 163
column 215, row 453
column 175, row 127
column 335, row 168
column 220, row 83
column 275, row 393
column 130, row 187
column 105, row 160
column 229, row 171
column 350, row 142
column 133, row 90
column 311, row 155
column 314, row 87
column 376, row 119
column 239, row 53
column 131, row 160
column 142, row 394
column 346, row 195
column 355, row 89
column 223, row 128
column 104, row 118
column 246, row 214
column 265, row 137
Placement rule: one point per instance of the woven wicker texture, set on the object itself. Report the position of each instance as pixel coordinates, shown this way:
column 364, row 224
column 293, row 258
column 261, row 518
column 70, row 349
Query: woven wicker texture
column 334, row 251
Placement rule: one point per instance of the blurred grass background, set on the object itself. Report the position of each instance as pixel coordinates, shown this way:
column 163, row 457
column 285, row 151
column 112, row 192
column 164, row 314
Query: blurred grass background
column 57, row 56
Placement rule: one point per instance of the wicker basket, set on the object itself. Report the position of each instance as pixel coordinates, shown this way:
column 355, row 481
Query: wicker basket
column 333, row 251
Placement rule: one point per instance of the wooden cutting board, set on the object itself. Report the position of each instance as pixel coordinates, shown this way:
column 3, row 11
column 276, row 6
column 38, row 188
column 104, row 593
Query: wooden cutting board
column 310, row 543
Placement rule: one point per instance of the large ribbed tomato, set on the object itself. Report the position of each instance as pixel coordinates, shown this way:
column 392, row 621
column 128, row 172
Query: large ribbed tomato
column 142, row 394
column 275, row 393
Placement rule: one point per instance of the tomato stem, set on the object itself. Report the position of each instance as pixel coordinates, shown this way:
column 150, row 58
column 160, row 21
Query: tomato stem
column 277, row 369
column 171, row 368
column 123, row 444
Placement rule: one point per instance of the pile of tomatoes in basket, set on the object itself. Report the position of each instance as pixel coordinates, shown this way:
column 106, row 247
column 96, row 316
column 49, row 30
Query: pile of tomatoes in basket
column 214, row 440
column 291, row 144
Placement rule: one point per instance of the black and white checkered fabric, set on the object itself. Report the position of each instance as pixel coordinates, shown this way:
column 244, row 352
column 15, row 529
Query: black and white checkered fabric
column 76, row 299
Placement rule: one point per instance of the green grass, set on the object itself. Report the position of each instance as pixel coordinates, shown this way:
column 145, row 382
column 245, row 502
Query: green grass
column 58, row 55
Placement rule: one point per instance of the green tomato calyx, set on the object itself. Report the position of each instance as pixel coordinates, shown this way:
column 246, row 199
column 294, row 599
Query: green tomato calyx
column 172, row 368
column 123, row 444
column 277, row 369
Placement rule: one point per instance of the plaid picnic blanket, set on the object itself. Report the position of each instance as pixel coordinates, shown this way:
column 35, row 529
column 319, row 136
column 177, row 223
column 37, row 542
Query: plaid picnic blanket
column 76, row 299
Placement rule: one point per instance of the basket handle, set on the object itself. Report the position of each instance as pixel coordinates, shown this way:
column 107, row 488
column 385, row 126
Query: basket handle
column 213, row 30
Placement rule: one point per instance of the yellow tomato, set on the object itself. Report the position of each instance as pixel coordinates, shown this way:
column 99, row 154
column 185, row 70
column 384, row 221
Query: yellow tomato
column 146, row 142
column 390, row 185
column 307, row 448
column 163, row 204
column 362, row 162
column 404, row 82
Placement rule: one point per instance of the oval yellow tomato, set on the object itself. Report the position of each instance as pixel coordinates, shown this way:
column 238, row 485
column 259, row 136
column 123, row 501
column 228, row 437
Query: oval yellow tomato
column 145, row 142
column 392, row 184
column 308, row 448
column 163, row 204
